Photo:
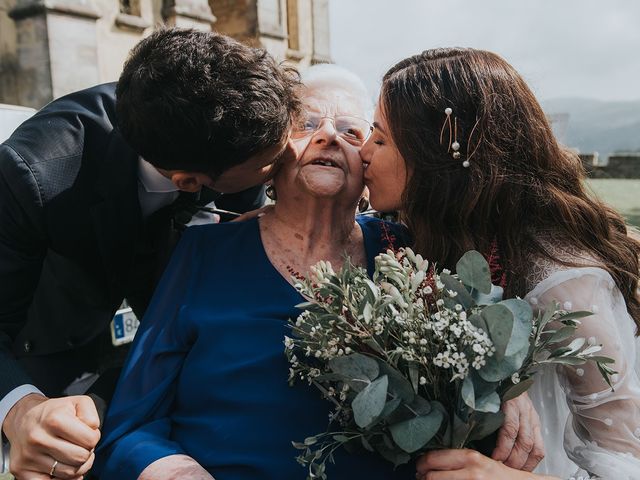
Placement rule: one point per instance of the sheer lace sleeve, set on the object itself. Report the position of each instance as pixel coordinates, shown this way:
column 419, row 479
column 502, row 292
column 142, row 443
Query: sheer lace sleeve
column 602, row 431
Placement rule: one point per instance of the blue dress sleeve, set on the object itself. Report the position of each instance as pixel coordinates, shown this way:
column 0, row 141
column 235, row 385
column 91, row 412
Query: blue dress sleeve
column 137, row 425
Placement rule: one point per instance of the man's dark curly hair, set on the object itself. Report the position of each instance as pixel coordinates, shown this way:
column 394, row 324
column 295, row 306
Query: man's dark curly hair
column 203, row 102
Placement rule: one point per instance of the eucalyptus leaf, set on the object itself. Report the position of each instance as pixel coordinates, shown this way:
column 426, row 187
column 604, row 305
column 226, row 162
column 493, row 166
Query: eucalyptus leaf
column 477, row 321
column 562, row 334
column 370, row 342
column 590, row 350
column 489, row 403
column 499, row 320
column 486, row 424
column 411, row 435
column 522, row 324
column 473, row 270
column 547, row 316
column 393, row 455
column 356, row 366
column 366, row 444
column 467, row 392
column 568, row 360
column 480, row 386
column 390, row 407
column 601, row 359
column 492, row 297
column 577, row 344
column 398, row 384
column 460, row 431
column 463, row 297
column 414, row 376
column 423, row 406
column 574, row 315
column 518, row 389
column 496, row 370
column 558, row 352
column 370, row 402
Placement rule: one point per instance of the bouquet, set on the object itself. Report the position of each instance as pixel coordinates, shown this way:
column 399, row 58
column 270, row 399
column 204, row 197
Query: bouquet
column 419, row 359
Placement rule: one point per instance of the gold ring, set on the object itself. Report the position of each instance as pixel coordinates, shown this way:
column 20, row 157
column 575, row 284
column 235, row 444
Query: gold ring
column 53, row 468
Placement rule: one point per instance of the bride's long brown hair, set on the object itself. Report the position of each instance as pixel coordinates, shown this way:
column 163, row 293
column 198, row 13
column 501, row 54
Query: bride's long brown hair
column 520, row 185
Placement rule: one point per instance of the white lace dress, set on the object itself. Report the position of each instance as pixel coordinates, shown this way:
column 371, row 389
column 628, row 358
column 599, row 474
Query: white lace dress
column 589, row 431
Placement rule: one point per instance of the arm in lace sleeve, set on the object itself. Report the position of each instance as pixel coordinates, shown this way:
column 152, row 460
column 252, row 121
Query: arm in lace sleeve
column 602, row 435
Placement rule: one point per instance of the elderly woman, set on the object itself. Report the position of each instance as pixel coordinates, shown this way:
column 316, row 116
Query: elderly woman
column 204, row 391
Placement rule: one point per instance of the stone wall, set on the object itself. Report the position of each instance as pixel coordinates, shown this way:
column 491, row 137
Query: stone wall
column 8, row 55
column 621, row 165
column 52, row 47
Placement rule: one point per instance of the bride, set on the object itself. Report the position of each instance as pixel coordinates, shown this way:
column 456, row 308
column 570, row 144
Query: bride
column 461, row 146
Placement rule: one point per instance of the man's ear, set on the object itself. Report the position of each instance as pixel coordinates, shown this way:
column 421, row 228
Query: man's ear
column 190, row 181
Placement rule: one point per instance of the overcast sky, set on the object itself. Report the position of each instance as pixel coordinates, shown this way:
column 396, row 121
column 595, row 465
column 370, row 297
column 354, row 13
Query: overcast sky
column 564, row 48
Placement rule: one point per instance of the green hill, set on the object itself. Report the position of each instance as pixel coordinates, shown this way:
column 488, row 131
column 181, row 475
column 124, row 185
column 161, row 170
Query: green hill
column 598, row 126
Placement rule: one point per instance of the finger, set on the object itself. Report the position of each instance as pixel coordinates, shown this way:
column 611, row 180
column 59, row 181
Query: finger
column 43, row 462
column 69, row 472
column 252, row 214
column 66, row 452
column 441, row 475
column 508, row 433
column 446, row 460
column 524, row 442
column 29, row 475
column 70, row 428
column 86, row 411
column 537, row 453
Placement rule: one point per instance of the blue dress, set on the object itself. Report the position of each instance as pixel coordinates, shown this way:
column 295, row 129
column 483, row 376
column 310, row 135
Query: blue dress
column 207, row 374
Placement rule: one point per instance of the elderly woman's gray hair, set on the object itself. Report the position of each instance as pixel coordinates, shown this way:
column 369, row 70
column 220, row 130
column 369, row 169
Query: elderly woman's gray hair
column 333, row 76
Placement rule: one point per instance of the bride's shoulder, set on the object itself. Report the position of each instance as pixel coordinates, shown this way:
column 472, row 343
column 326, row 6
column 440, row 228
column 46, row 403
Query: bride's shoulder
column 564, row 263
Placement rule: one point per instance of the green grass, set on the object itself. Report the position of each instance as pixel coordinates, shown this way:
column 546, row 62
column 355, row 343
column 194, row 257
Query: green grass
column 621, row 194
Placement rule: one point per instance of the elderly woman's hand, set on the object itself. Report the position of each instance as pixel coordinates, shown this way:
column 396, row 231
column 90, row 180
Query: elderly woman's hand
column 520, row 442
column 467, row 465
column 173, row 467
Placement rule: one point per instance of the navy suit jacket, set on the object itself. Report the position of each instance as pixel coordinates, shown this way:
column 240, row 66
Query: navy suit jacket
column 70, row 226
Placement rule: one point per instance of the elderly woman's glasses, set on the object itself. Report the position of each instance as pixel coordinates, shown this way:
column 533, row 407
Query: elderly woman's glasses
column 353, row 129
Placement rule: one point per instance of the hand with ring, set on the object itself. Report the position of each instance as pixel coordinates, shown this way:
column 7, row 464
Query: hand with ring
column 52, row 438
column 52, row 473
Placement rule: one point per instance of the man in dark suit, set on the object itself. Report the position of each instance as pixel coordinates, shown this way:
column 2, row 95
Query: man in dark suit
column 89, row 191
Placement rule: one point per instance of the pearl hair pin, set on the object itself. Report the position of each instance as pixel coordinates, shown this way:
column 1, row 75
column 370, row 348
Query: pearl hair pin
column 453, row 144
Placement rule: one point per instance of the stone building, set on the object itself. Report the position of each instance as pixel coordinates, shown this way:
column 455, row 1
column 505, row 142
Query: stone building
column 617, row 165
column 52, row 47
